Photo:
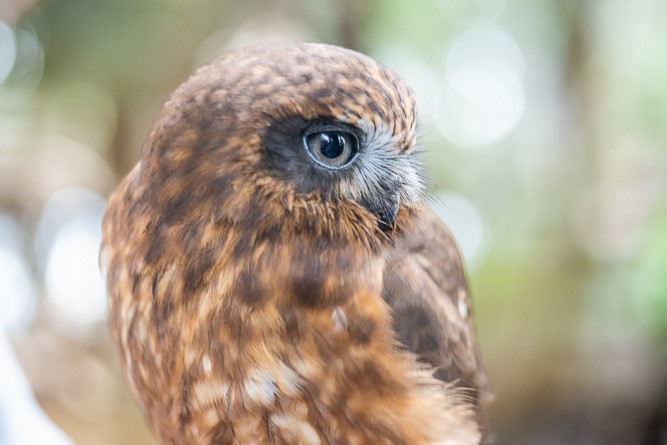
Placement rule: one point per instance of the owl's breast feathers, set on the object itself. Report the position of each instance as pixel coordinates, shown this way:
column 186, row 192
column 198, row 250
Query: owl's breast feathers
column 289, row 340
column 246, row 313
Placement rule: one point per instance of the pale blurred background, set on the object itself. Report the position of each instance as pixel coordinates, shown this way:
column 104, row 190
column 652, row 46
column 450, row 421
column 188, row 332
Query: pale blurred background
column 544, row 126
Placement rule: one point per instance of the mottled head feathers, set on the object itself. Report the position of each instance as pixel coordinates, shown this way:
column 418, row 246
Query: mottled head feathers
column 251, row 108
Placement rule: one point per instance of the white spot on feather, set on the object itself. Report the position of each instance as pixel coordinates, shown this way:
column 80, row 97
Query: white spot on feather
column 189, row 356
column 462, row 303
column 208, row 393
column 260, row 388
column 206, row 364
column 295, row 430
column 339, row 319
column 289, row 381
column 141, row 331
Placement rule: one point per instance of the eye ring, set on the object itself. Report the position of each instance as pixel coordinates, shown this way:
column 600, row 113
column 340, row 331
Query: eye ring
column 332, row 149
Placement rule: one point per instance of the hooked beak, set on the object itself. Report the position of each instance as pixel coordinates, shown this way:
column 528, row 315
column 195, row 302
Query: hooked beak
column 384, row 207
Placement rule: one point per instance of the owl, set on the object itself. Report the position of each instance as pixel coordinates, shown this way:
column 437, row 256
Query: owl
column 274, row 276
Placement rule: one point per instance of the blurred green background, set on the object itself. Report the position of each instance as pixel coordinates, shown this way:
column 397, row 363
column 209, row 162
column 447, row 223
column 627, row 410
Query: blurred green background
column 544, row 130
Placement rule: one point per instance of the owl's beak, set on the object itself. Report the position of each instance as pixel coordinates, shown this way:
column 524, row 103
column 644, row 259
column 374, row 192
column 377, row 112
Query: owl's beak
column 384, row 207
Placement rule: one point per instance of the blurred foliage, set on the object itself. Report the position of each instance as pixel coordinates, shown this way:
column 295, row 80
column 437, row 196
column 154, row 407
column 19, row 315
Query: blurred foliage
column 569, row 265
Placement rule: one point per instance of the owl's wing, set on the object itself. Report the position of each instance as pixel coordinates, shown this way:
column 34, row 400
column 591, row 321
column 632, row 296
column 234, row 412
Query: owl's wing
column 425, row 285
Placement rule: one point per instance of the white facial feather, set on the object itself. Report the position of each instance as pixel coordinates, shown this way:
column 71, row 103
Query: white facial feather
column 381, row 163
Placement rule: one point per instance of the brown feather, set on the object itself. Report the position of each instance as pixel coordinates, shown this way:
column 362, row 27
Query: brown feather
column 425, row 285
column 245, row 284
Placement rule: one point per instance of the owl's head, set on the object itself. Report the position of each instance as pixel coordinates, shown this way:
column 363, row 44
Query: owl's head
column 314, row 130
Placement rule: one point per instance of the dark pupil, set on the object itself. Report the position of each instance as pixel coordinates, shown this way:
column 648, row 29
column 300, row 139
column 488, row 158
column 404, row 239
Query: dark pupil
column 332, row 145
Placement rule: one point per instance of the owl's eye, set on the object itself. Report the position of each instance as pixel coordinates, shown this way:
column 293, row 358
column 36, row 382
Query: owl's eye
column 332, row 149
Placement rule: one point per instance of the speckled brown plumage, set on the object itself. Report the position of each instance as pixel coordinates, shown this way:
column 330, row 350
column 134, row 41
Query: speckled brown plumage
column 258, row 297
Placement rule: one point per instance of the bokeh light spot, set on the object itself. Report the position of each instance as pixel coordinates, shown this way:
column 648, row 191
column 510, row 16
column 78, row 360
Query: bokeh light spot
column 7, row 51
column 69, row 236
column 466, row 223
column 17, row 292
column 29, row 66
column 483, row 98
